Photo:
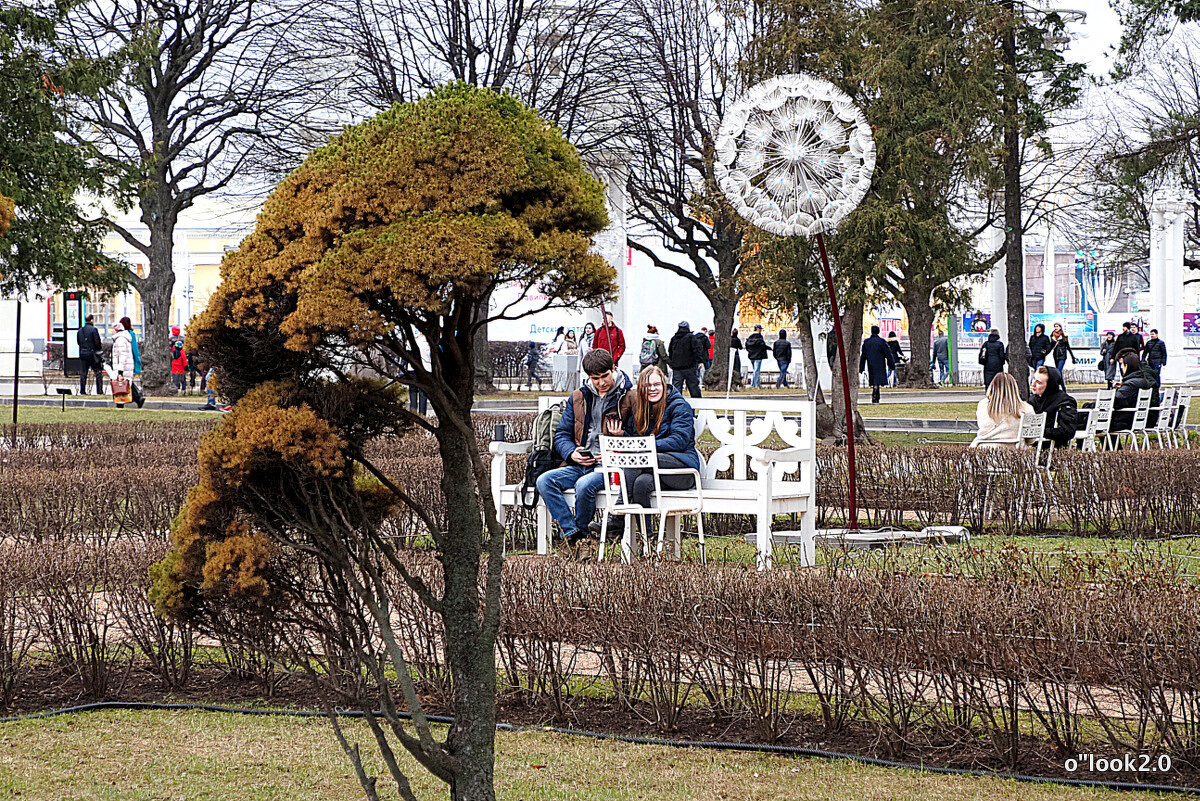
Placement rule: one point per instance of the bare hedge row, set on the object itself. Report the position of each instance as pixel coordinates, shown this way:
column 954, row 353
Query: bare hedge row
column 993, row 659
column 132, row 478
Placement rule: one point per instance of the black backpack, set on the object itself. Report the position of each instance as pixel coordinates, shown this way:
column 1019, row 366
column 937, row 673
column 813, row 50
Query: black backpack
column 542, row 458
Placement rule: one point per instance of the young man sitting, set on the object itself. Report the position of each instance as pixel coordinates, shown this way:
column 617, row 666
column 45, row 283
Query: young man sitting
column 592, row 410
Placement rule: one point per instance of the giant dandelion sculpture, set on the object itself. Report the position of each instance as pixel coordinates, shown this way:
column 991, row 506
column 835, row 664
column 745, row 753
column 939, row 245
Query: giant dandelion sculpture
column 795, row 156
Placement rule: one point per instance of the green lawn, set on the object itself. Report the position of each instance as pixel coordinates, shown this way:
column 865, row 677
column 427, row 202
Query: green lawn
column 28, row 413
column 196, row 755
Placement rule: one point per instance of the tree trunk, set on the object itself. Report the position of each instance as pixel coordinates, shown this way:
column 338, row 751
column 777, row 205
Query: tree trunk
column 470, row 646
column 484, row 380
column 718, row 375
column 156, row 289
column 852, row 318
column 920, row 321
column 1014, row 267
column 808, row 352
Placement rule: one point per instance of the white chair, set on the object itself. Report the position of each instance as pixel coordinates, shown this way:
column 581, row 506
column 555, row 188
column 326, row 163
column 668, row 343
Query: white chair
column 1137, row 427
column 1183, row 403
column 1099, row 422
column 1162, row 425
column 620, row 453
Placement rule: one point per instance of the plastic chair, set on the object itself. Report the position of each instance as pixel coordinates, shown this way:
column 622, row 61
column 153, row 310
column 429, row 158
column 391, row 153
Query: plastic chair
column 1099, row 422
column 1162, row 425
column 1137, row 428
column 620, row 453
column 1183, row 403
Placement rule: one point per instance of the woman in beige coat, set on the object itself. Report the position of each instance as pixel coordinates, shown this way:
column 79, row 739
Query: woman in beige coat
column 999, row 414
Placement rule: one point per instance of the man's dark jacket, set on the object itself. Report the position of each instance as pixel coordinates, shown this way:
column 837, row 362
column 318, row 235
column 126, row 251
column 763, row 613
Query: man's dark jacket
column 756, row 347
column 876, row 359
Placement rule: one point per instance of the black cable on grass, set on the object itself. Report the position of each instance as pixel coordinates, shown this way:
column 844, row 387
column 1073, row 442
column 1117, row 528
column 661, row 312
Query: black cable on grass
column 716, row 745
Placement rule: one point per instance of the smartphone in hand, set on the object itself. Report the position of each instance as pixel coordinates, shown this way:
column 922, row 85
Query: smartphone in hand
column 586, row 454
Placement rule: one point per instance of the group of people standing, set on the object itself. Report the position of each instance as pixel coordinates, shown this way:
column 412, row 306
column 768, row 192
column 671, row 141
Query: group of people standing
column 609, row 337
column 1055, row 347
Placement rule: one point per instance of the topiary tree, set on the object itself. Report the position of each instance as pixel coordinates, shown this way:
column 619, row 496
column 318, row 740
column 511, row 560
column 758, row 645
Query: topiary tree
column 367, row 270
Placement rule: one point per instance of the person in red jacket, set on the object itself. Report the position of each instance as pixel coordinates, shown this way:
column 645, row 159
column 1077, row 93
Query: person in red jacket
column 179, row 360
column 610, row 338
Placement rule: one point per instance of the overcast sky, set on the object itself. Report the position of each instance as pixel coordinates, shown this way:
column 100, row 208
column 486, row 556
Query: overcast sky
column 1095, row 39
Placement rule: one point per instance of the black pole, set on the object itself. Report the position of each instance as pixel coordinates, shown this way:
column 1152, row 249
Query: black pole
column 852, row 523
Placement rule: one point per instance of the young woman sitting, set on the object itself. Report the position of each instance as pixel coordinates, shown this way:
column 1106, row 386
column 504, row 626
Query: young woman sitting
column 657, row 409
column 999, row 414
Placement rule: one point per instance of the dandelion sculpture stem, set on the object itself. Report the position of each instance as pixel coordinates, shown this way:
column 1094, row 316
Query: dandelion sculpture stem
column 852, row 522
column 795, row 156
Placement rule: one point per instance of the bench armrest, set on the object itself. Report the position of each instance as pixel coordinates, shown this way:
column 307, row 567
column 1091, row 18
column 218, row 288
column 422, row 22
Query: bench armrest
column 510, row 447
column 789, row 455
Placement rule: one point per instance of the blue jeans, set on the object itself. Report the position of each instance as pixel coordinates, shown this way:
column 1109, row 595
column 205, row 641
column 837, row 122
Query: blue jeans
column 1060, row 363
column 756, row 381
column 585, row 481
column 783, row 374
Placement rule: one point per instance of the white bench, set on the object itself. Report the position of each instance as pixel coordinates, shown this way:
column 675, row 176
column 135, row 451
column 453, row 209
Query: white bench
column 758, row 486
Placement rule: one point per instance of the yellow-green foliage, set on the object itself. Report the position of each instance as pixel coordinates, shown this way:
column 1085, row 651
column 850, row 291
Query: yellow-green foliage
column 7, row 212
column 405, row 221
column 428, row 203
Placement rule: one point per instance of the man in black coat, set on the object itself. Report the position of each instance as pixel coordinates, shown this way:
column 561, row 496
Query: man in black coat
column 876, row 359
column 91, row 355
column 1126, row 340
column 992, row 356
column 1048, row 395
column 782, row 351
column 684, row 353
column 1155, row 354
column 756, row 351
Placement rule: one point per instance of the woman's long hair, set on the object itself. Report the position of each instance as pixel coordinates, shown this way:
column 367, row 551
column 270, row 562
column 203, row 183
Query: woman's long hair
column 647, row 416
column 1003, row 398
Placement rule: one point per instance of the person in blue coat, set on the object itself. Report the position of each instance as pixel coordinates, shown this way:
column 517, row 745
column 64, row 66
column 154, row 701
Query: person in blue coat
column 657, row 409
column 876, row 359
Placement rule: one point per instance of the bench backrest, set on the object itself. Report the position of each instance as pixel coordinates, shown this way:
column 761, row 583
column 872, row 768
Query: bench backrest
column 739, row 425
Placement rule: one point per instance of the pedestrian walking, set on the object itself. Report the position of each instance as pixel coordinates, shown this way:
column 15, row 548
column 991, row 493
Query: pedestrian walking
column 610, row 338
column 876, row 359
column 91, row 355
column 940, row 356
column 1108, row 358
column 1155, row 353
column 992, row 357
column 756, row 351
column 1039, row 346
column 1062, row 347
column 685, row 356
column 897, row 358
column 782, row 351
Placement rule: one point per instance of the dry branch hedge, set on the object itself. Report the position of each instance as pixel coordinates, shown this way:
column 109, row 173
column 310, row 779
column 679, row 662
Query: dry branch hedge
column 77, row 481
column 1002, row 659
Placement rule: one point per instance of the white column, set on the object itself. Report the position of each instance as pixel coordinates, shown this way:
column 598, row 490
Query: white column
column 1049, row 272
column 999, row 288
column 1167, row 214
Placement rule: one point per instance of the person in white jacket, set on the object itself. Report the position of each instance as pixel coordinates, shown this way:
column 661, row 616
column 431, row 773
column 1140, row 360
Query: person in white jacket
column 122, row 356
column 999, row 414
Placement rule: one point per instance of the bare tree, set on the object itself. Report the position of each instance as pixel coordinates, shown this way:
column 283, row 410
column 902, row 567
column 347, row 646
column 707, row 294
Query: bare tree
column 558, row 58
column 684, row 67
column 1151, row 135
column 200, row 91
